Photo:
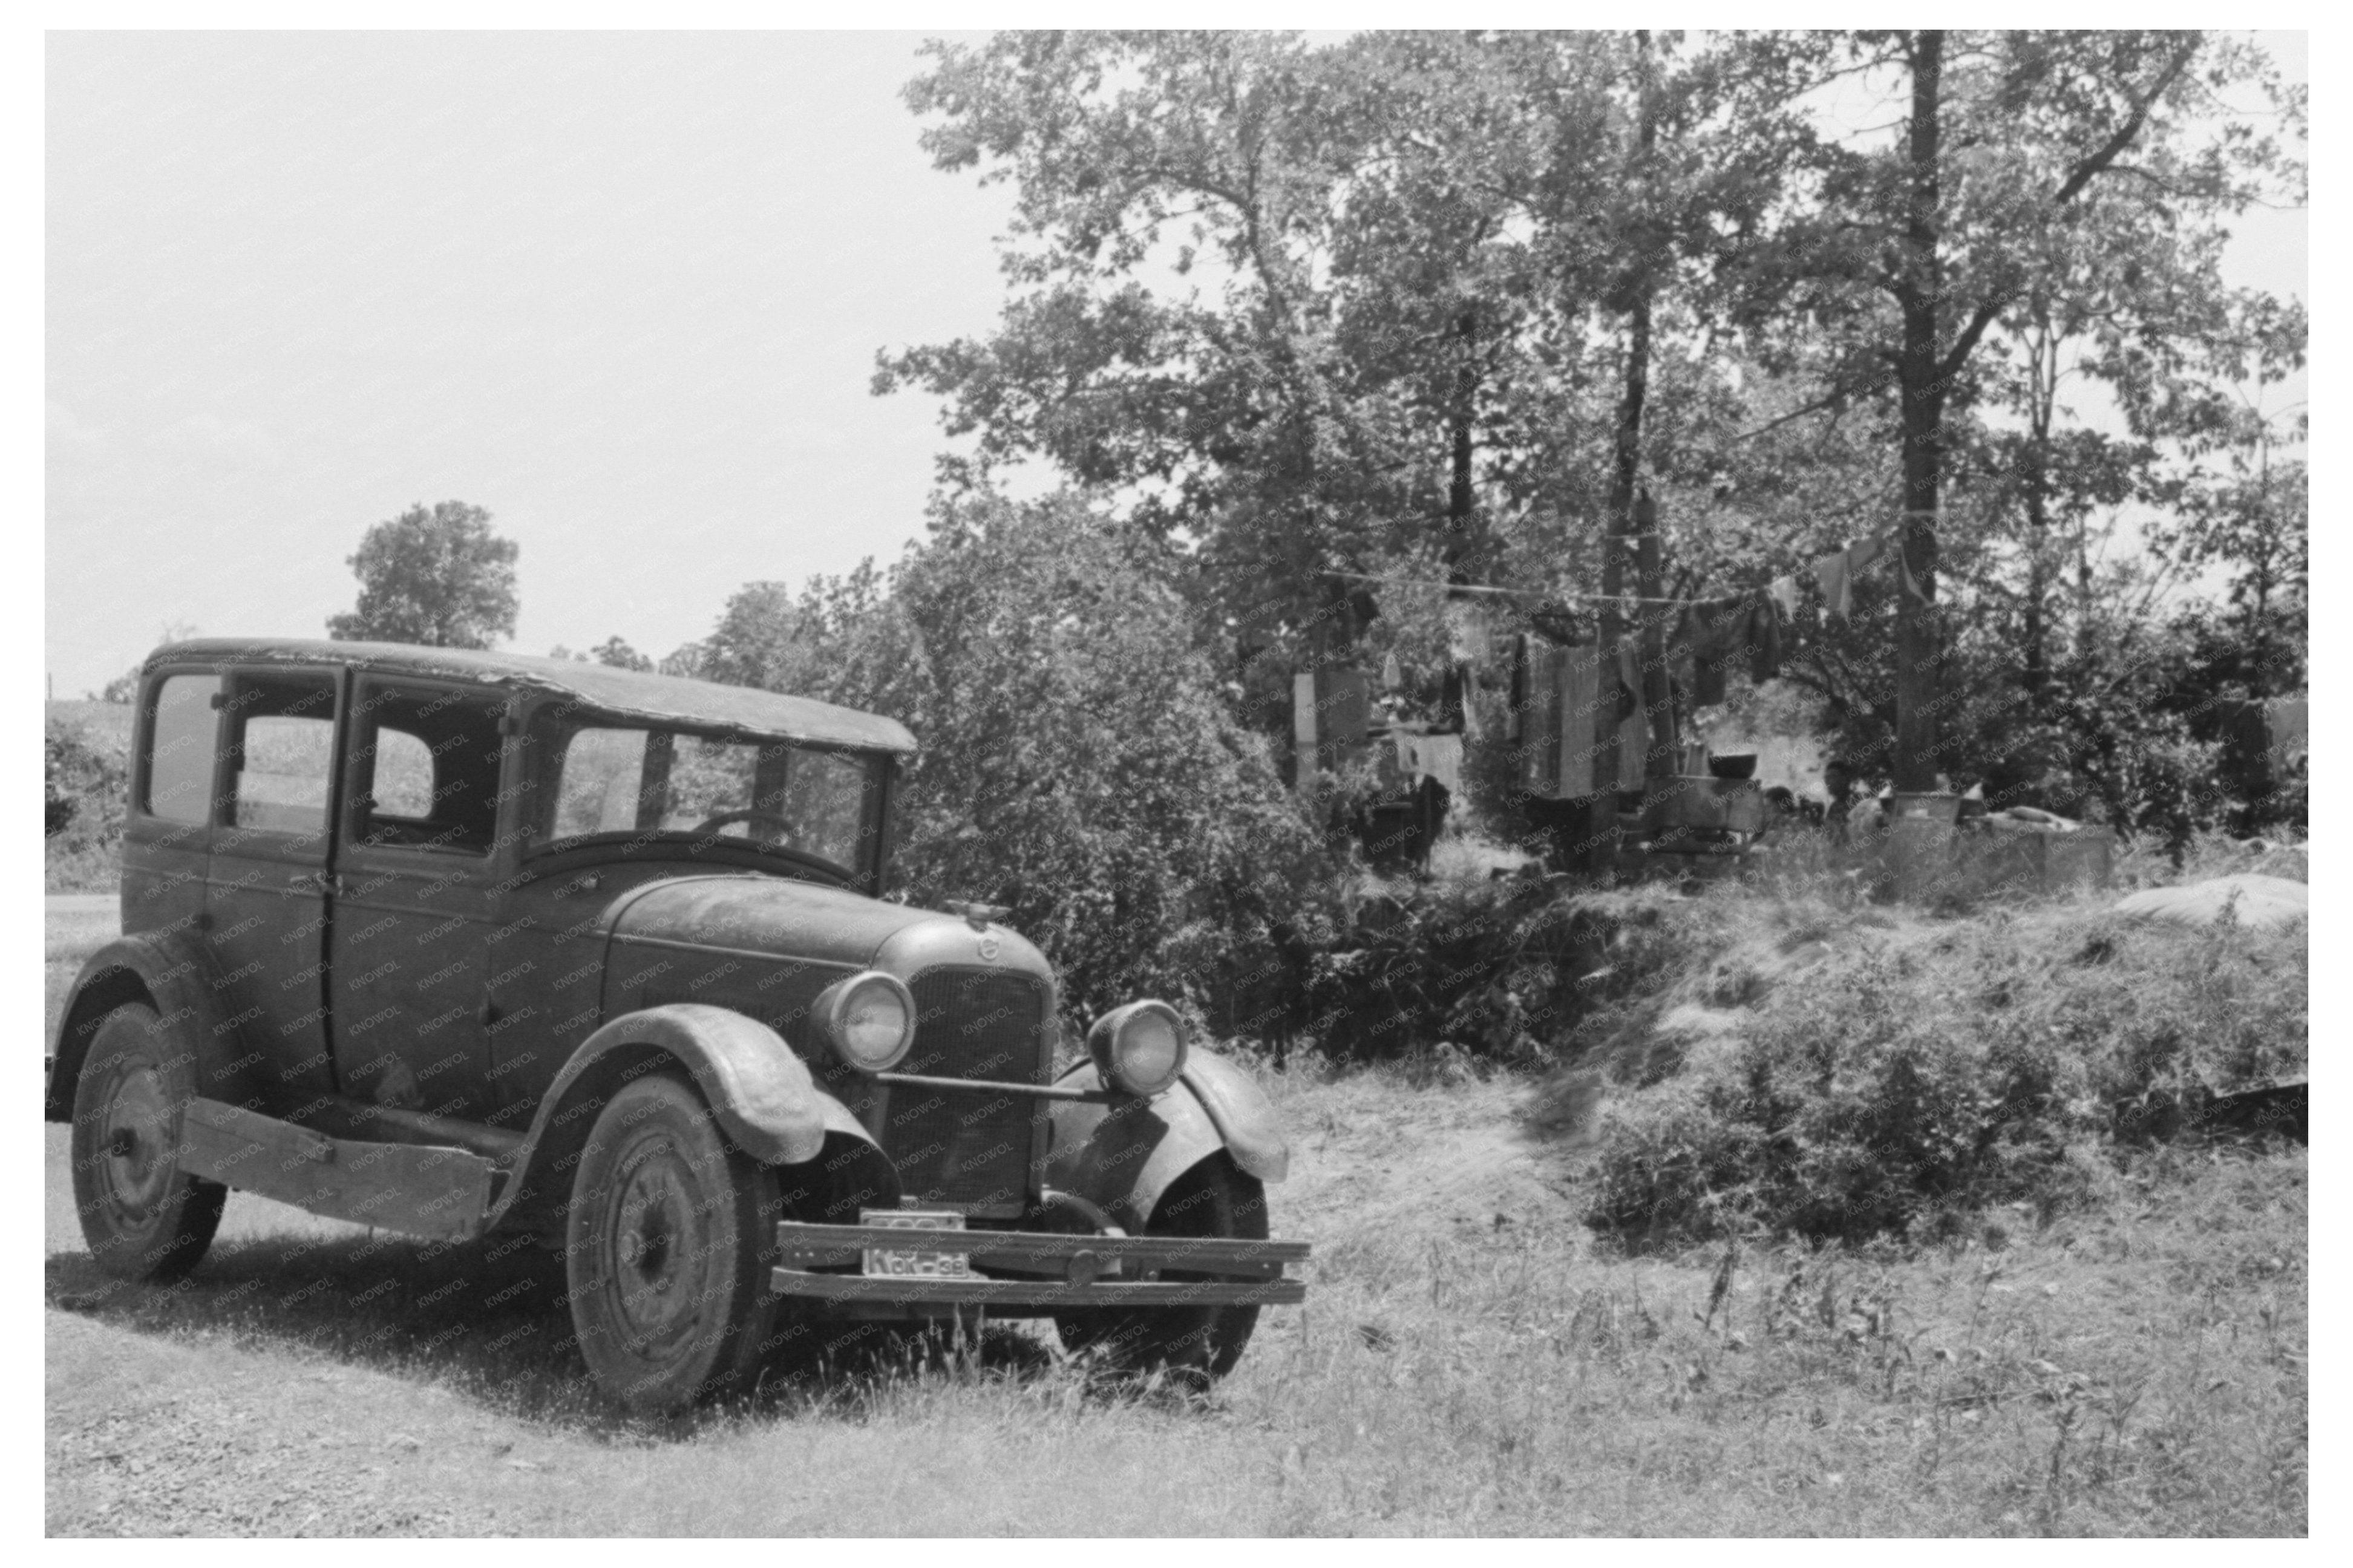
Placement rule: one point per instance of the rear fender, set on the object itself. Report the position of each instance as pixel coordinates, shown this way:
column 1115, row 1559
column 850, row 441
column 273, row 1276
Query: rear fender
column 170, row 972
column 760, row 1094
column 1124, row 1156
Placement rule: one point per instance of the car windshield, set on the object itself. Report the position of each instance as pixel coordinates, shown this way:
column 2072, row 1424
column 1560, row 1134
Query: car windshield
column 615, row 779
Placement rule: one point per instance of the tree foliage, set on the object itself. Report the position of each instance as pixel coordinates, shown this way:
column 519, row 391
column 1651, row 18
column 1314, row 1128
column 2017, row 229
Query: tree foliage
column 1080, row 764
column 1379, row 307
column 439, row 578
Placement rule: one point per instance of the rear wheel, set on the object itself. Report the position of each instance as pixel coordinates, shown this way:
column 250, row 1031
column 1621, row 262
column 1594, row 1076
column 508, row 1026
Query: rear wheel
column 1215, row 1198
column 664, row 1252
column 143, row 1217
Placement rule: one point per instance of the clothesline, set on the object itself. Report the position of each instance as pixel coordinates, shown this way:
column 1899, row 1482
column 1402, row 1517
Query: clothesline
column 1832, row 573
column 1512, row 592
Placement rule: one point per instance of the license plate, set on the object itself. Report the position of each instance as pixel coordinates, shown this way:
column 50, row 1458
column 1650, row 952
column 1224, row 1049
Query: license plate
column 916, row 1261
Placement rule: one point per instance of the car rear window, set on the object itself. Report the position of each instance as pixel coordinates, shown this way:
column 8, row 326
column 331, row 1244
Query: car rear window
column 182, row 748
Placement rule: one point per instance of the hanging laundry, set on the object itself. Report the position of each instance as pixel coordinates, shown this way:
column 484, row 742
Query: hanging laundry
column 1633, row 723
column 1829, row 575
column 1519, row 692
column 1581, row 700
column 1835, row 574
column 1469, row 630
column 1764, row 640
column 1438, row 757
column 1714, row 631
column 1783, row 592
column 2286, row 721
column 1392, row 676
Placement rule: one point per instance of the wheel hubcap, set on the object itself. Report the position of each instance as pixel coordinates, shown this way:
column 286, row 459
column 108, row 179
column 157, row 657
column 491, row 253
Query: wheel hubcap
column 657, row 1251
column 137, row 1138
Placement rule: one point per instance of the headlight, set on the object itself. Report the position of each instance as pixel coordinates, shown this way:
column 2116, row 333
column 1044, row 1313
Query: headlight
column 1138, row 1048
column 870, row 1020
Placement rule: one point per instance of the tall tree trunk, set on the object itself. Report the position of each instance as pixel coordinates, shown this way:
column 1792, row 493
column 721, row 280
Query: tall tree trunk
column 1462, row 500
column 1922, row 374
column 2044, row 366
column 1461, row 513
column 1635, row 514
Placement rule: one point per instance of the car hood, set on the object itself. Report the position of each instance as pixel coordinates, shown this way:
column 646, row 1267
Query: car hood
column 774, row 916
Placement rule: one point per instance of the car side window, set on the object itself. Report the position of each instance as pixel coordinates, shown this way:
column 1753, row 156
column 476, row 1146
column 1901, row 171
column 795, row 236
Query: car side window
column 604, row 783
column 183, row 750
column 283, row 747
column 425, row 770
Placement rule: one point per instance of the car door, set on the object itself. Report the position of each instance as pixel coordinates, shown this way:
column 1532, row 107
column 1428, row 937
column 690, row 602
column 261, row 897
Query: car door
column 167, row 834
column 268, row 884
column 415, row 942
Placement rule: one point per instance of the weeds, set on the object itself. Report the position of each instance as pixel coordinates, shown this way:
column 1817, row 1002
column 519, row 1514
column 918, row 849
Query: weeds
column 1912, row 1079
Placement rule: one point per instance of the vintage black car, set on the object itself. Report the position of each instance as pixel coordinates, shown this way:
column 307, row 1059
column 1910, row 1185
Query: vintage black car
column 451, row 943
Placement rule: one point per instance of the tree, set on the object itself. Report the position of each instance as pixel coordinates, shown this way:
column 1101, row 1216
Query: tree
column 1078, row 763
column 438, row 578
column 2015, row 151
column 1316, row 311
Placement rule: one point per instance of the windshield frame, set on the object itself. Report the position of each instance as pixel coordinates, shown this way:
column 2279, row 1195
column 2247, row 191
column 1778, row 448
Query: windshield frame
column 547, row 732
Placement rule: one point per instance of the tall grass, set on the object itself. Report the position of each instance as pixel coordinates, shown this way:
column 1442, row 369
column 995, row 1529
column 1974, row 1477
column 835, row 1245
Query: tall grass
column 1894, row 1073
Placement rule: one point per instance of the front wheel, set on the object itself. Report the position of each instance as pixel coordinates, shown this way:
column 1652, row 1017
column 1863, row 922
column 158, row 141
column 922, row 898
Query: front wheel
column 664, row 1250
column 1213, row 1199
column 144, row 1217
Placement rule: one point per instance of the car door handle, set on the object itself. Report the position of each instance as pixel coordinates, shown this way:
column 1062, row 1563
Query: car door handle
column 318, row 882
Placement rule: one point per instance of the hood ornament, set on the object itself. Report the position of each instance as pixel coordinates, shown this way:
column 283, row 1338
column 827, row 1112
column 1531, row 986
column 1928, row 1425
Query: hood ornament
column 975, row 915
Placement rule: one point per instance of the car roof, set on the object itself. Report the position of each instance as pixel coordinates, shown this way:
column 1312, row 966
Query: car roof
column 665, row 699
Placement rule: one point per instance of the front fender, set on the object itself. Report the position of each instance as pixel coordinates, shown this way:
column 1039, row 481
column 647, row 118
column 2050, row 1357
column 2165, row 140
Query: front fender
column 760, row 1092
column 1124, row 1156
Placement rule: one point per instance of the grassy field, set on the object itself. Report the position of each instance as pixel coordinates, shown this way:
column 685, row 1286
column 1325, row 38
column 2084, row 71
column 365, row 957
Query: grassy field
column 1470, row 1361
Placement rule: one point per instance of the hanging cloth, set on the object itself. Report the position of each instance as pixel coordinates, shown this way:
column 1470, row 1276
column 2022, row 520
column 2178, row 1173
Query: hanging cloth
column 1469, row 630
column 1764, row 639
column 1518, row 701
column 1440, row 757
column 2287, row 725
column 1582, row 700
column 1629, row 681
column 1835, row 573
column 1829, row 575
column 1784, row 595
column 1715, row 631
column 1392, row 676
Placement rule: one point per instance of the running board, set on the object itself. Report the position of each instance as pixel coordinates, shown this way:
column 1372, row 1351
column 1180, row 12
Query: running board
column 416, row 1189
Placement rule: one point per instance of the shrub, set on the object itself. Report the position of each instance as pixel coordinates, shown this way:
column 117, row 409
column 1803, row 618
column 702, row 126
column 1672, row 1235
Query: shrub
column 1502, row 969
column 1080, row 764
column 86, row 785
column 1952, row 1066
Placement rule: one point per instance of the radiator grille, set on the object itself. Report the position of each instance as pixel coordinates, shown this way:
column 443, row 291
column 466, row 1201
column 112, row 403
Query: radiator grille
column 968, row 1151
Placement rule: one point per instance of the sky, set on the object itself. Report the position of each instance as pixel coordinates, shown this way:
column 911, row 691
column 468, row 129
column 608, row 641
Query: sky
column 625, row 290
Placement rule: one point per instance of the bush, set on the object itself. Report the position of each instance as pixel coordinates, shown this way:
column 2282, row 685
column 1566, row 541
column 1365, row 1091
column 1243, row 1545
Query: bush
column 1080, row 764
column 1951, row 1067
column 88, row 781
column 1503, row 970
column 87, row 786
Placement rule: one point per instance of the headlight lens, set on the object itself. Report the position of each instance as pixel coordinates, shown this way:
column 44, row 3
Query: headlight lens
column 871, row 1020
column 1138, row 1048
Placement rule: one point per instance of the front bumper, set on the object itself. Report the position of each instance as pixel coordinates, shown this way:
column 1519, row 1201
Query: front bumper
column 1029, row 1271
